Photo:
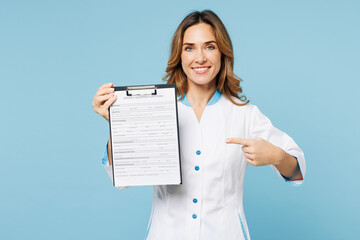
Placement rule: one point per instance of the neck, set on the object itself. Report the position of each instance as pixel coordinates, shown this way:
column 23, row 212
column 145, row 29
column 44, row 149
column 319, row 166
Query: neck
column 200, row 95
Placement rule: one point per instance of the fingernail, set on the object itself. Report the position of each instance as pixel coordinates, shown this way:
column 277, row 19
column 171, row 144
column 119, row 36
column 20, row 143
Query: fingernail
column 227, row 140
column 111, row 89
column 110, row 84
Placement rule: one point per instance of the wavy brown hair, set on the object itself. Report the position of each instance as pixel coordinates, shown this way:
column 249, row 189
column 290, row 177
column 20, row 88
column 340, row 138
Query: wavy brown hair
column 227, row 82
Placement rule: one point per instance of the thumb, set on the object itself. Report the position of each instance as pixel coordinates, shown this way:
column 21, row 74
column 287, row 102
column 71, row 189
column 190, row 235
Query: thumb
column 241, row 141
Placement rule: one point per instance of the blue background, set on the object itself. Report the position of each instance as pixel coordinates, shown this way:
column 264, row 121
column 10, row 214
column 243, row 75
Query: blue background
column 300, row 65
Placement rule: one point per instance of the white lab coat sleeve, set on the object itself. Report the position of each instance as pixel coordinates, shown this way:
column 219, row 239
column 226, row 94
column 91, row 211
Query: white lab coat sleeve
column 107, row 166
column 261, row 126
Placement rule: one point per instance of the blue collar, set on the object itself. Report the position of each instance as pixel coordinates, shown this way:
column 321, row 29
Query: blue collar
column 215, row 98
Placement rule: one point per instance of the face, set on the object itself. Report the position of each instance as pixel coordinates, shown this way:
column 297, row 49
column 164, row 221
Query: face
column 200, row 56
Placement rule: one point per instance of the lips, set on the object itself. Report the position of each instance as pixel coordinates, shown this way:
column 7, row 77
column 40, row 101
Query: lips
column 201, row 69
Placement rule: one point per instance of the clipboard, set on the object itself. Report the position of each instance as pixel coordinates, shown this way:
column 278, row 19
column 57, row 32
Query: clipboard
column 144, row 134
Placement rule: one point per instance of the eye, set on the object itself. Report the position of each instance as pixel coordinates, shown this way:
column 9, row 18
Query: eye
column 188, row 48
column 210, row 47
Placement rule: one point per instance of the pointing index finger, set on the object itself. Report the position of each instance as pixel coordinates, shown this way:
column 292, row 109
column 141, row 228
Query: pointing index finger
column 241, row 141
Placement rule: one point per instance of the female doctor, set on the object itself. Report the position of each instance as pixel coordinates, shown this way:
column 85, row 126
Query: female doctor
column 220, row 134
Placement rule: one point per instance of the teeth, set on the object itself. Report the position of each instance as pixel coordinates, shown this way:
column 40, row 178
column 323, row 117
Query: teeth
column 200, row 69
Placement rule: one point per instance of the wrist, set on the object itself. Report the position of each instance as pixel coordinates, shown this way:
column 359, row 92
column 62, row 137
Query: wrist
column 280, row 156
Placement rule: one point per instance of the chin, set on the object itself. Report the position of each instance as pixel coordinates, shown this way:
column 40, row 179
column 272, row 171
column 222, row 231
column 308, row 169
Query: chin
column 201, row 82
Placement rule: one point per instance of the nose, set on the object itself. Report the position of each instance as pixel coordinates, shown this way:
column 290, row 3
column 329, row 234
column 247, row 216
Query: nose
column 200, row 57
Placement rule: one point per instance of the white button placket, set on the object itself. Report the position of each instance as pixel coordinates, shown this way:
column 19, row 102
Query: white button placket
column 194, row 172
column 197, row 194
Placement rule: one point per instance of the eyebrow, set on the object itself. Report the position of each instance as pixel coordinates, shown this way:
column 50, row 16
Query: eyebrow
column 191, row 44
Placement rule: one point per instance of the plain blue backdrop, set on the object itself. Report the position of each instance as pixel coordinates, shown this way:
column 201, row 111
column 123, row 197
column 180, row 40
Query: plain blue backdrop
column 300, row 65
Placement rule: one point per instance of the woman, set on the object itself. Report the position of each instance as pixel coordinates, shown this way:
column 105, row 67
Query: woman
column 220, row 134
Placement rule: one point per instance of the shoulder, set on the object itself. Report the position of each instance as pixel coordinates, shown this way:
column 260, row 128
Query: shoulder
column 247, row 107
column 238, row 110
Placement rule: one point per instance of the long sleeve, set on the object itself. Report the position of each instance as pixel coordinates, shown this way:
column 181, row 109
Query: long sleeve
column 261, row 127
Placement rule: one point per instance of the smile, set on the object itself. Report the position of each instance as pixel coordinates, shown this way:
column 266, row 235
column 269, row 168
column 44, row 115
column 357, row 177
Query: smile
column 200, row 69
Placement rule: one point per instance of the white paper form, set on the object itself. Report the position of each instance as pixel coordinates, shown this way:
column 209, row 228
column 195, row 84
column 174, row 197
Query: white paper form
column 144, row 136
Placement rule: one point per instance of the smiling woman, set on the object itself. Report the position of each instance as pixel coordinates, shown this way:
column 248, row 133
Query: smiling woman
column 220, row 134
column 209, row 32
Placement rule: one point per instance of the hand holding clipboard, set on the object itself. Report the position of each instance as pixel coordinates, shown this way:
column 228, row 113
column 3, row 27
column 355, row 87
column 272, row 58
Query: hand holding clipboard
column 103, row 99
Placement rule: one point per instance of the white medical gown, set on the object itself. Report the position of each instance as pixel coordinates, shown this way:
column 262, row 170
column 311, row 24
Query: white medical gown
column 209, row 202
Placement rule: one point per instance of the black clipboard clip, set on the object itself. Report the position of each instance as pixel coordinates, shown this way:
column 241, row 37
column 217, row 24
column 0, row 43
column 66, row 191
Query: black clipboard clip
column 141, row 90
